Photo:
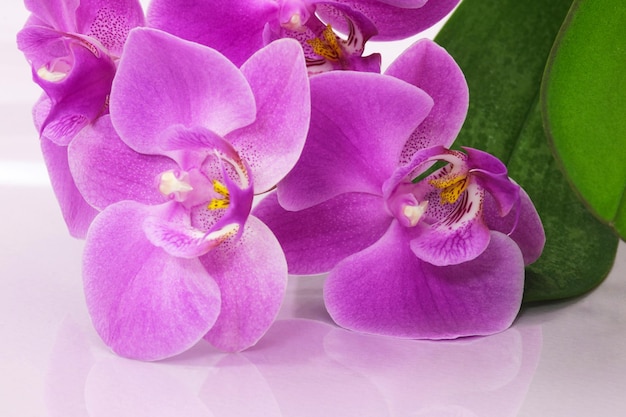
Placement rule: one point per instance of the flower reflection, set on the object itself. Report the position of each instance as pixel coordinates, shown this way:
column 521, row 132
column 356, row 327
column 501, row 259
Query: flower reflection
column 312, row 369
column 300, row 368
column 85, row 380
column 293, row 366
column 483, row 376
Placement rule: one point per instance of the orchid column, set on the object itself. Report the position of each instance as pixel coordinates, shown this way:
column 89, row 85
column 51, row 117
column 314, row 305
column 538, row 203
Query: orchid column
column 175, row 255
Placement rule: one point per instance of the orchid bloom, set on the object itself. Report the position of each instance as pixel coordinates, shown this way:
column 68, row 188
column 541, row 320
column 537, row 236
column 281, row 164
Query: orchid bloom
column 73, row 47
column 175, row 255
column 237, row 28
column 411, row 253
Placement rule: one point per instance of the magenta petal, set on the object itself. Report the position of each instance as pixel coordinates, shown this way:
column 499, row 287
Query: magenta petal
column 60, row 14
column 77, row 213
column 428, row 66
column 233, row 27
column 317, row 238
column 492, row 175
column 109, row 21
column 408, row 4
column 164, row 81
column 80, row 97
column 252, row 275
column 106, row 170
column 386, row 290
column 458, row 237
column 181, row 240
column 522, row 224
column 399, row 19
column 273, row 143
column 41, row 44
column 144, row 303
column 359, row 124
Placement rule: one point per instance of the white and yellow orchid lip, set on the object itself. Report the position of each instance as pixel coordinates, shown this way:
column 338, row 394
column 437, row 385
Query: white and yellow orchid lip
column 212, row 182
column 330, row 51
column 447, row 204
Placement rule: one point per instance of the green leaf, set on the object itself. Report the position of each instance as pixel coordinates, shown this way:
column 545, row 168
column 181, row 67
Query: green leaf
column 584, row 105
column 502, row 47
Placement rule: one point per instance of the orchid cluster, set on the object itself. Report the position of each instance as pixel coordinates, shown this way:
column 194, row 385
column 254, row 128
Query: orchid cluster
column 160, row 133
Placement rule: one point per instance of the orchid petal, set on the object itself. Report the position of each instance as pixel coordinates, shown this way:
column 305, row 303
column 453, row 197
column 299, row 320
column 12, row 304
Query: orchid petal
column 273, row 143
column 59, row 14
column 109, row 21
column 386, row 290
column 522, row 224
column 459, row 236
column 428, row 66
column 354, row 143
column 190, row 146
column 77, row 213
column 41, row 44
column 164, row 81
column 399, row 22
column 350, row 20
column 180, row 239
column 233, row 27
column 78, row 98
column 317, row 238
column 106, row 170
column 144, row 303
column 492, row 175
column 407, row 4
column 420, row 161
column 252, row 275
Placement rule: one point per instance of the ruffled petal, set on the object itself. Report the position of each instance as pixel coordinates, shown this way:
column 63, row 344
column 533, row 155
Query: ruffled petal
column 317, row 238
column 459, row 236
column 522, row 224
column 77, row 213
column 164, row 81
column 428, row 66
column 273, row 143
column 109, row 21
column 144, row 303
column 233, row 27
column 106, row 170
column 386, row 290
column 359, row 124
column 252, row 275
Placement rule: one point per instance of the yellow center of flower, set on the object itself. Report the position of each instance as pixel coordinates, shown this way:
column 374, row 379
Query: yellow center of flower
column 327, row 46
column 451, row 187
column 220, row 203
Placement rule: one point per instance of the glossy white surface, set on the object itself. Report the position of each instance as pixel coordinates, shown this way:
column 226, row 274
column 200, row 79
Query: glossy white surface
column 564, row 359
